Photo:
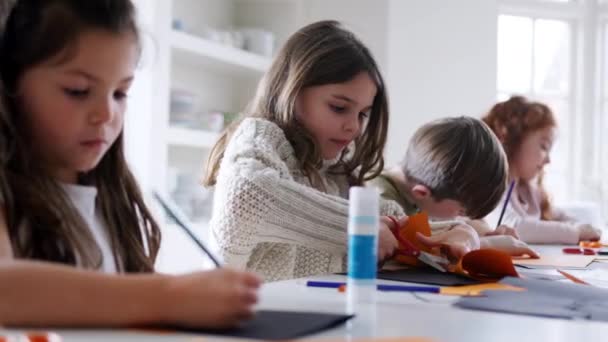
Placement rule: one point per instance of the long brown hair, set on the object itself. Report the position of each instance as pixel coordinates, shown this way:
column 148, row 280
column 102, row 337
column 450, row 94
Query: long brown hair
column 320, row 53
column 42, row 222
column 512, row 121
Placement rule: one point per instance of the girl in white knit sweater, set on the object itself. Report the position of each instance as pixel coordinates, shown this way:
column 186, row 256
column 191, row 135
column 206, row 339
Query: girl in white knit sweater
column 316, row 127
column 526, row 130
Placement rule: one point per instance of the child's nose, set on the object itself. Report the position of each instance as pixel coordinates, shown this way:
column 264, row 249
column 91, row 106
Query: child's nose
column 352, row 124
column 103, row 111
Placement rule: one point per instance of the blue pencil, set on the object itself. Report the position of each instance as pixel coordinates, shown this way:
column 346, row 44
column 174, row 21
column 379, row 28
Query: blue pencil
column 328, row 284
column 381, row 287
column 504, row 206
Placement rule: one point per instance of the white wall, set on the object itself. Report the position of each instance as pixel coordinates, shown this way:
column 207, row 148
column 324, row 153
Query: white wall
column 441, row 62
column 138, row 119
column 438, row 58
column 367, row 18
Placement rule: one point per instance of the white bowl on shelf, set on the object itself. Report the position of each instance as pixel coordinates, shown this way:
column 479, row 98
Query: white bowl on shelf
column 183, row 101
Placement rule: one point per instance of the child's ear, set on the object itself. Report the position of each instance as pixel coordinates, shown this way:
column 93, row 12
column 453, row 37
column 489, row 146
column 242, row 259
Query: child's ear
column 502, row 134
column 420, row 191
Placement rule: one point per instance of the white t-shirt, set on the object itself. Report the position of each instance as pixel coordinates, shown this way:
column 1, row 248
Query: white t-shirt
column 83, row 198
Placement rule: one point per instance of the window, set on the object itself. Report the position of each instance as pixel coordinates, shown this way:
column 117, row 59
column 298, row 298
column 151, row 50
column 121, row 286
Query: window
column 556, row 52
column 534, row 60
column 604, row 116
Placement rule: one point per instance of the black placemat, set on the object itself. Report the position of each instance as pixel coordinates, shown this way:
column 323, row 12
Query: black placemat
column 281, row 325
column 427, row 276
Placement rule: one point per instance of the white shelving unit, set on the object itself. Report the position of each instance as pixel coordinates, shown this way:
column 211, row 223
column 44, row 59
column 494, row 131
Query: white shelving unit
column 222, row 77
column 187, row 137
column 197, row 52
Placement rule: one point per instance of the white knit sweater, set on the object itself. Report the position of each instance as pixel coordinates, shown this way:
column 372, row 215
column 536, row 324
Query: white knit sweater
column 268, row 218
column 524, row 214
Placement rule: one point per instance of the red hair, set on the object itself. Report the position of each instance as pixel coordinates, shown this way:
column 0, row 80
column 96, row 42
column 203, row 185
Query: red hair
column 512, row 121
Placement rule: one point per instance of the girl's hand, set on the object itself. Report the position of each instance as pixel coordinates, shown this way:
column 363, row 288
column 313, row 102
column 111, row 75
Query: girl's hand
column 387, row 243
column 504, row 230
column 587, row 232
column 508, row 244
column 214, row 299
column 454, row 243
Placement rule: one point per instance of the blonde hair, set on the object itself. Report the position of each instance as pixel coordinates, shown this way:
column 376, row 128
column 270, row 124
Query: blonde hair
column 460, row 159
column 320, row 53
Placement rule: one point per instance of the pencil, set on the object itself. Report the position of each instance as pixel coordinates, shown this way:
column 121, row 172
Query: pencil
column 381, row 287
column 174, row 213
column 573, row 278
column 504, row 206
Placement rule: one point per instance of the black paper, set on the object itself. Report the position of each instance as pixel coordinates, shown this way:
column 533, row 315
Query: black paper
column 281, row 325
column 427, row 276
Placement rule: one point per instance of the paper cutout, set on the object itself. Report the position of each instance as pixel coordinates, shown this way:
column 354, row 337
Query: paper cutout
column 487, row 264
column 417, row 223
column 556, row 261
column 484, row 265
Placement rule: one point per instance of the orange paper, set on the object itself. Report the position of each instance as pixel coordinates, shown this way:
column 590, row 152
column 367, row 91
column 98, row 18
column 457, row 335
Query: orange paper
column 417, row 223
column 487, row 264
column 484, row 264
column 591, row 244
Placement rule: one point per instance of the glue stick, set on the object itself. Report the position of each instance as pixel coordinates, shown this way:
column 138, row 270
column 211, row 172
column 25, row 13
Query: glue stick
column 363, row 225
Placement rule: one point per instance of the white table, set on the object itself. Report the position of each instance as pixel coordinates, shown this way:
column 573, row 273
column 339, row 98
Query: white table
column 395, row 314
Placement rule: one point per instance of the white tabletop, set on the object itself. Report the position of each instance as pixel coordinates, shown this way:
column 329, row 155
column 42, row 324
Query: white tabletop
column 396, row 314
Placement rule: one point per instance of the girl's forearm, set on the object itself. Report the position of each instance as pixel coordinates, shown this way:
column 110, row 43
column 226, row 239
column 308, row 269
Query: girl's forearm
column 45, row 294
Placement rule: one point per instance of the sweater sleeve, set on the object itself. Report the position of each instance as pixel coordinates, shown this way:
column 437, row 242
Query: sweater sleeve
column 390, row 208
column 535, row 230
column 560, row 215
column 257, row 200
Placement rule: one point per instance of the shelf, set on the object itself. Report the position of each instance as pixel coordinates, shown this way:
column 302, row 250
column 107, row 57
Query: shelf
column 188, row 137
column 198, row 52
column 268, row 1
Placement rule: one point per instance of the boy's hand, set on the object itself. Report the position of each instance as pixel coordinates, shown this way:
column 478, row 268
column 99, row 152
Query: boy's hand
column 508, row 244
column 454, row 243
column 504, row 230
column 213, row 299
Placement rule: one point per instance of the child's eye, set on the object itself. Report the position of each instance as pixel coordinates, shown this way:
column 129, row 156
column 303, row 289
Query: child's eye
column 76, row 93
column 120, row 95
column 337, row 109
column 363, row 115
